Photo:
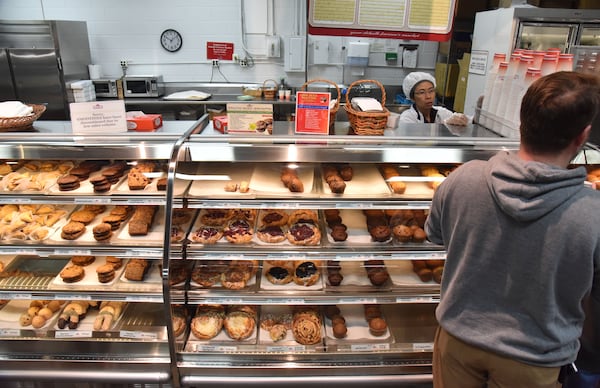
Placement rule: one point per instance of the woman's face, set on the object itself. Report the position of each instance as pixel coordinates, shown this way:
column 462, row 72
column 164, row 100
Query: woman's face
column 424, row 95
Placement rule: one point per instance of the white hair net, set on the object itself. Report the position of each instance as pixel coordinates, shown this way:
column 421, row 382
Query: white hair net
column 414, row 78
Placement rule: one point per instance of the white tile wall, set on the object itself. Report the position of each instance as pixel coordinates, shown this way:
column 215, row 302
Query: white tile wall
column 130, row 30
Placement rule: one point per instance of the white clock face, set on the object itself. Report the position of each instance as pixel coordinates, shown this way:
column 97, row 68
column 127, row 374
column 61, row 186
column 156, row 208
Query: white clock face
column 171, row 40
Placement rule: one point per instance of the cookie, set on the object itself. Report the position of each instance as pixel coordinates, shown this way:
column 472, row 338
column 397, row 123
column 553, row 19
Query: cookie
column 72, row 274
column 68, row 182
column 116, row 262
column 101, row 184
column 83, row 260
column 102, row 231
column 72, row 230
column 83, row 216
column 81, row 172
column 106, row 273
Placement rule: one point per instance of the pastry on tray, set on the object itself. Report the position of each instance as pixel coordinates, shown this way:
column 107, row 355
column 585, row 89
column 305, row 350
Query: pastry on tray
column 303, row 234
column 273, row 217
column 307, row 326
column 306, row 273
column 238, row 232
column 280, row 271
column 206, row 235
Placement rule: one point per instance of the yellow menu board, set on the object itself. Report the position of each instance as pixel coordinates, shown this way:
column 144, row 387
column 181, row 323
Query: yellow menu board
column 412, row 19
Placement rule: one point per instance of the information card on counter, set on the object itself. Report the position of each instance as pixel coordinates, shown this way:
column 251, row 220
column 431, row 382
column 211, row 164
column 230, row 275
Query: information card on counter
column 312, row 112
column 98, row 117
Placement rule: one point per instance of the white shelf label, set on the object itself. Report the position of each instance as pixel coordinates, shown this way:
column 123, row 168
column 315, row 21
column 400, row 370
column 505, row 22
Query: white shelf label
column 369, row 347
column 19, row 296
column 137, row 335
column 10, row 333
column 73, row 334
column 214, row 348
column 72, row 252
column 73, row 297
column 424, row 346
column 92, row 201
column 286, row 349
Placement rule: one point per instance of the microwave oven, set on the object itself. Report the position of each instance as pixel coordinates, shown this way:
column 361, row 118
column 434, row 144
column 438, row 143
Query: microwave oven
column 105, row 87
column 143, row 86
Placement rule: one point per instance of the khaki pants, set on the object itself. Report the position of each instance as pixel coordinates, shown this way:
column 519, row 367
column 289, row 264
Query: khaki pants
column 456, row 364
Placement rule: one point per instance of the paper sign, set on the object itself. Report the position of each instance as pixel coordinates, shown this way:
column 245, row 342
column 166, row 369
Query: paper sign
column 478, row 62
column 100, row 117
column 219, row 50
column 312, row 112
column 250, row 118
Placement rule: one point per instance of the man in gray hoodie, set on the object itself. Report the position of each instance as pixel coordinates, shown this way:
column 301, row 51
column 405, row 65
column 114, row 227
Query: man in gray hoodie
column 522, row 235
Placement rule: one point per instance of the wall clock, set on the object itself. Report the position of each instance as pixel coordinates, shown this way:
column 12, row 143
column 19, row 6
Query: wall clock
column 171, row 40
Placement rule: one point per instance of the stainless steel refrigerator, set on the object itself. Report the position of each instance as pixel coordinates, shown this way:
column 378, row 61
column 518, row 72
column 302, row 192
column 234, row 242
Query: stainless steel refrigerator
column 505, row 29
column 39, row 58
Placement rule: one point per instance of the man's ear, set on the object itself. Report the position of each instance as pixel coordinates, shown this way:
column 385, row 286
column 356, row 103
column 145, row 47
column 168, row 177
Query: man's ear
column 582, row 138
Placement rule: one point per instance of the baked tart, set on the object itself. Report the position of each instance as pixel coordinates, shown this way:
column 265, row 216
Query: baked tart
column 238, row 232
column 206, row 235
column 216, row 217
column 233, row 278
column 303, row 216
column 303, row 234
column 205, row 276
column 208, row 321
column 271, row 234
column 273, row 218
column 246, row 214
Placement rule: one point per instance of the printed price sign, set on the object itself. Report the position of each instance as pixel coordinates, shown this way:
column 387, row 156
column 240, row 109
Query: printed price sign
column 100, row 117
column 312, row 112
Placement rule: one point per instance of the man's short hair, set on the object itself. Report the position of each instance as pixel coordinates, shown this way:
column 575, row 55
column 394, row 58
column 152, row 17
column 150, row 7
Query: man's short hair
column 556, row 109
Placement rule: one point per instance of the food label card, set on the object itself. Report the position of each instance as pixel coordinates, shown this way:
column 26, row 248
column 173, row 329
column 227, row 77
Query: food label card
column 99, row 117
column 250, row 118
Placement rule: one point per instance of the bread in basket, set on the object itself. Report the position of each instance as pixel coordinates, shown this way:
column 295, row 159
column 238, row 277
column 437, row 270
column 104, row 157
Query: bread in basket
column 23, row 122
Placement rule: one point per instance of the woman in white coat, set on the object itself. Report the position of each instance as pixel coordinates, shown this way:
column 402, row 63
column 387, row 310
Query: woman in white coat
column 420, row 88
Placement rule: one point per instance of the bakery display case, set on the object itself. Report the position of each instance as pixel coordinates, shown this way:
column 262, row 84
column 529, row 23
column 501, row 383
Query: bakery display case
column 307, row 259
column 82, row 255
column 187, row 257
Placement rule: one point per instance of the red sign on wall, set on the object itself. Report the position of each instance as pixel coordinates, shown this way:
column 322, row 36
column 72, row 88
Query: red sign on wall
column 219, row 50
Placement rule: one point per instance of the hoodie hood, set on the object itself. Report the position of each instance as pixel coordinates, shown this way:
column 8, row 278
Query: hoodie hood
column 527, row 191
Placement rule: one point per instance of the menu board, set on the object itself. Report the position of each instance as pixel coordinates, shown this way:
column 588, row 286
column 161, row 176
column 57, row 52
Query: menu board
column 389, row 19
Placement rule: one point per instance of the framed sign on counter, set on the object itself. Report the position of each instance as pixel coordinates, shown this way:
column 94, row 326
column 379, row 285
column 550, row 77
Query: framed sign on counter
column 387, row 19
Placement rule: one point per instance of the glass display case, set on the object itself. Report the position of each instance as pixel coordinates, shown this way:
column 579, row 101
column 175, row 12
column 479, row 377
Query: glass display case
column 267, row 260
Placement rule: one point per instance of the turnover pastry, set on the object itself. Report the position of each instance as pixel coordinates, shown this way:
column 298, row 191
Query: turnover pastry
column 306, row 273
column 307, row 327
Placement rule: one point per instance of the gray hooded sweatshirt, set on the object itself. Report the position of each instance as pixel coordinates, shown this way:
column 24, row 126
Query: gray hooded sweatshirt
column 523, row 249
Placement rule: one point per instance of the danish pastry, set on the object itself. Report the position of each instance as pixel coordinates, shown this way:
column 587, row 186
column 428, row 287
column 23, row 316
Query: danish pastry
column 238, row 232
column 239, row 325
column 307, row 327
column 271, row 234
column 303, row 216
column 206, row 235
column 280, row 272
column 306, row 273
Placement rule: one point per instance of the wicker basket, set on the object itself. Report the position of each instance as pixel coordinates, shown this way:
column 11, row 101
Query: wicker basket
column 25, row 122
column 367, row 123
column 254, row 92
column 333, row 111
column 270, row 90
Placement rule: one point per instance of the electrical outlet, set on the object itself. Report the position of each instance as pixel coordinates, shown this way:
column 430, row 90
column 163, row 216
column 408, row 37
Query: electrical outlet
column 215, row 63
column 124, row 63
column 244, row 62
